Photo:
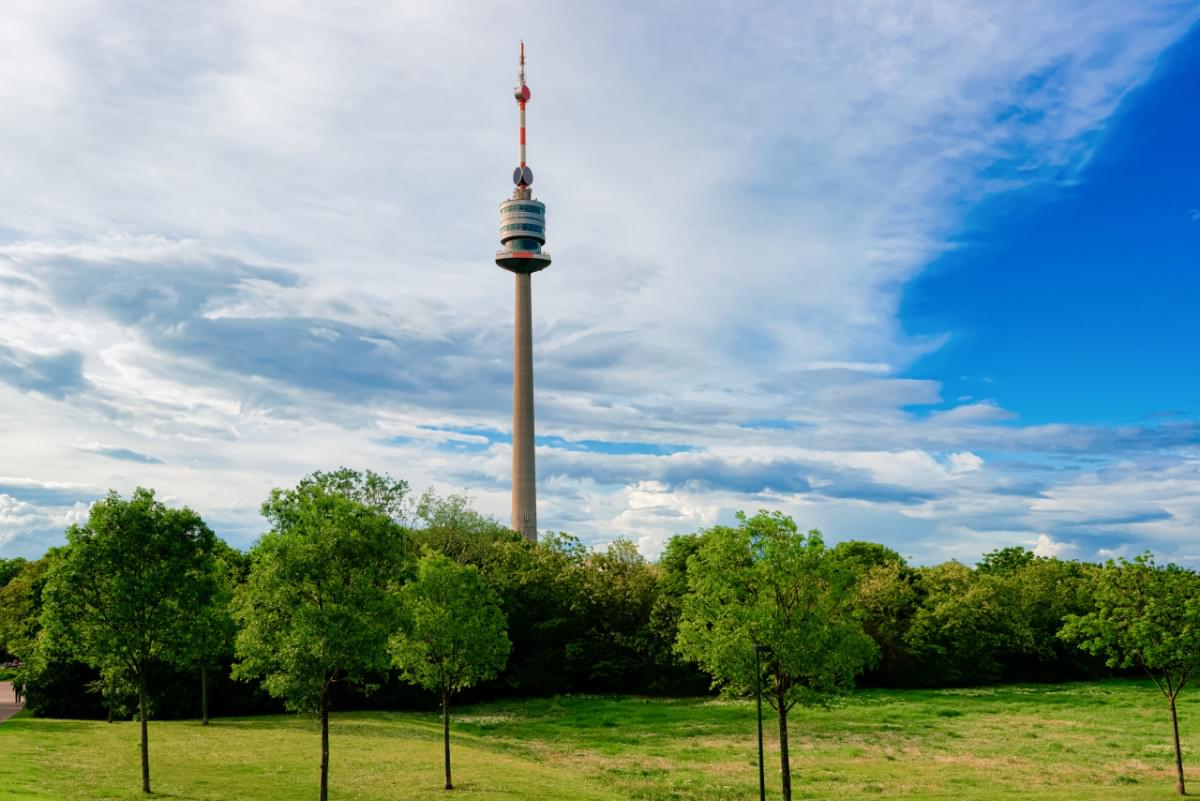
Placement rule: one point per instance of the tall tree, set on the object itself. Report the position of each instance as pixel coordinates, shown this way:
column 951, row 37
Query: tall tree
column 321, row 598
column 454, row 635
column 125, row 590
column 764, row 584
column 1145, row 617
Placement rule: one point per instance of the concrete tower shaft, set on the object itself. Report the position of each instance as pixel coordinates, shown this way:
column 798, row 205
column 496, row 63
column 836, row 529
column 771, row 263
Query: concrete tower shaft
column 524, row 469
column 522, row 237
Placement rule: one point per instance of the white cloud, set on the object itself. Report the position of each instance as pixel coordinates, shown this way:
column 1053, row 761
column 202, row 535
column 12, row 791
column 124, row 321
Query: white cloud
column 1046, row 546
column 965, row 462
column 268, row 240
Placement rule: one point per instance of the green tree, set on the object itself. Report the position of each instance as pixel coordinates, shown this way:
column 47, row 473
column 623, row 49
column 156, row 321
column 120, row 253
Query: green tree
column 125, row 590
column 1047, row 590
column 1006, row 561
column 211, row 639
column 861, row 555
column 1146, row 617
column 616, row 646
column 454, row 634
column 763, row 583
column 20, row 607
column 540, row 589
column 320, row 600
column 889, row 596
column 965, row 623
column 450, row 526
column 673, row 674
column 9, row 568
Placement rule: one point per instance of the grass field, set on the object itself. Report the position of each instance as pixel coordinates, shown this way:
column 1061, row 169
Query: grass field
column 1093, row 741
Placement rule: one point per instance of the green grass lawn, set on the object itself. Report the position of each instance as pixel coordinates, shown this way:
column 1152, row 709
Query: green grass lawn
column 1093, row 741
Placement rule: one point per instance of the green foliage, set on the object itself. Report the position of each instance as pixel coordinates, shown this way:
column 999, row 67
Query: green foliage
column 319, row 602
column 321, row 597
column 860, row 555
column 618, row 591
column 126, row 588
column 1006, row 561
column 213, row 637
column 889, row 596
column 965, row 623
column 9, row 568
column 20, row 609
column 539, row 588
column 125, row 591
column 1145, row 617
column 453, row 636
column 454, row 631
column 764, row 584
column 450, row 526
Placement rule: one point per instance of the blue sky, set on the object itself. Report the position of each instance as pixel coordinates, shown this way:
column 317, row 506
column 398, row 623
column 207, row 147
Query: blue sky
column 922, row 273
column 1079, row 302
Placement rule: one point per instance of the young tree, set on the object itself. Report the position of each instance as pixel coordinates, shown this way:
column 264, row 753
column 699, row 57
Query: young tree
column 320, row 601
column 211, row 639
column 764, row 584
column 454, row 635
column 1145, row 617
column 124, row 592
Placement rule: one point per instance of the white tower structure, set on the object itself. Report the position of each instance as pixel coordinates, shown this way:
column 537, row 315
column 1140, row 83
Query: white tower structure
column 522, row 237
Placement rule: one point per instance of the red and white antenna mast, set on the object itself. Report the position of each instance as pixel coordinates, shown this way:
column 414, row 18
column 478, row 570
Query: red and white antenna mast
column 522, row 93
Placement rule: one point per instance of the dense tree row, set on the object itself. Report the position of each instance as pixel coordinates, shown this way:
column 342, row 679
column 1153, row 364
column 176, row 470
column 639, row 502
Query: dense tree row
column 359, row 596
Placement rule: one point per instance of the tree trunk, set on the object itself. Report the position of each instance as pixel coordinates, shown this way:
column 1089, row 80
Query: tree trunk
column 785, row 765
column 325, row 745
column 145, row 735
column 1178, row 753
column 204, row 694
column 446, row 735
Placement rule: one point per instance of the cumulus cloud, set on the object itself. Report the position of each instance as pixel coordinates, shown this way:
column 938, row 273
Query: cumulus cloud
column 1048, row 547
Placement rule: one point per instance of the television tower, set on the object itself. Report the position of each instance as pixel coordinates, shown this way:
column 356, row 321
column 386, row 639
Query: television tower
column 522, row 236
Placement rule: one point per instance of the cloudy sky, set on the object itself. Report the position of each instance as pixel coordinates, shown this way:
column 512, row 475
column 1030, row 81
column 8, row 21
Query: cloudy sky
column 917, row 272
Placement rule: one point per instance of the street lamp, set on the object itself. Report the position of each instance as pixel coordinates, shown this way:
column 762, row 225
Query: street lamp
column 759, row 650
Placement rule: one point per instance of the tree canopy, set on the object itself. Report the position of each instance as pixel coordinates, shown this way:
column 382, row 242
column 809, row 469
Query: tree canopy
column 762, row 584
column 1146, row 617
column 321, row 600
column 453, row 635
column 126, row 590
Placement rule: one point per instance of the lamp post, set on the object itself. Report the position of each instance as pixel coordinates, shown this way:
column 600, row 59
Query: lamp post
column 759, row 650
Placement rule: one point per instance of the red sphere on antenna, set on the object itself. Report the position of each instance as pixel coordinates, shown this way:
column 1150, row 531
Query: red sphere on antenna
column 523, row 93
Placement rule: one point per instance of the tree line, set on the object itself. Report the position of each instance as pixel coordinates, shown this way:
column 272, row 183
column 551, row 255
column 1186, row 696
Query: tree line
column 362, row 596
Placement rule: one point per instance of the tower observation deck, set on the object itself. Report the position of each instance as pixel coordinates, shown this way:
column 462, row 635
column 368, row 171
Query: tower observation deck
column 522, row 237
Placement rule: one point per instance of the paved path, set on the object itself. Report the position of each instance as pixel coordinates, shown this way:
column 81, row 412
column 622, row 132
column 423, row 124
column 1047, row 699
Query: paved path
column 8, row 701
